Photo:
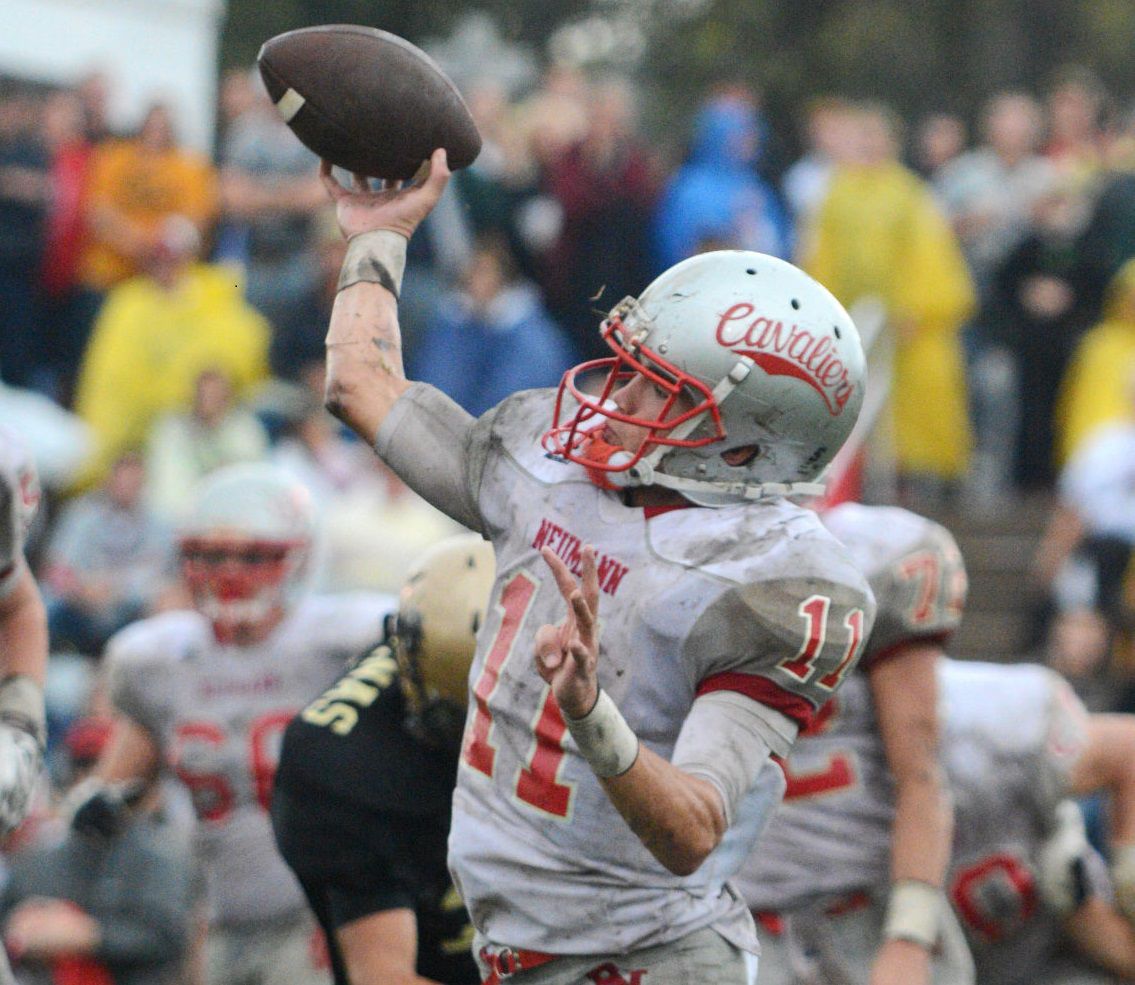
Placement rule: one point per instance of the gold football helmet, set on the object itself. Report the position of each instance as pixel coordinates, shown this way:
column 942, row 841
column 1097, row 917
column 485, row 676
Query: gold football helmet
column 434, row 633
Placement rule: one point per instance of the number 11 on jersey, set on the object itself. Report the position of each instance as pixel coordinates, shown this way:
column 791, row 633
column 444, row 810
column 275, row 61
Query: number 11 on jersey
column 814, row 611
column 536, row 783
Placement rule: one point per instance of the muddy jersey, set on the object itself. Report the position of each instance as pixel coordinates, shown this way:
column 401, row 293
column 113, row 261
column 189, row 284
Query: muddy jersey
column 756, row 599
column 831, row 836
column 218, row 714
column 19, row 498
column 1012, row 735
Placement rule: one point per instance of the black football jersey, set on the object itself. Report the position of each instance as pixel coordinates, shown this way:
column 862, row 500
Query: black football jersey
column 361, row 813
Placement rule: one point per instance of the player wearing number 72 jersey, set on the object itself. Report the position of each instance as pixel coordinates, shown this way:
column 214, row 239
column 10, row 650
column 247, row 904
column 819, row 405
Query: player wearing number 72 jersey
column 859, row 849
column 606, row 795
column 209, row 691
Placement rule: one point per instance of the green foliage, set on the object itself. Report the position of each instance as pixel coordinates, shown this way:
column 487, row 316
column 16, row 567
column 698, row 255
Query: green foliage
column 918, row 55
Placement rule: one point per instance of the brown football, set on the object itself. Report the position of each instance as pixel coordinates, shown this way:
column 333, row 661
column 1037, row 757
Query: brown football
column 367, row 100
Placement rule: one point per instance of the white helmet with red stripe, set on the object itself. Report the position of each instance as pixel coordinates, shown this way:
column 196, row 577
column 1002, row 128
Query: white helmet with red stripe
column 246, row 548
column 769, row 358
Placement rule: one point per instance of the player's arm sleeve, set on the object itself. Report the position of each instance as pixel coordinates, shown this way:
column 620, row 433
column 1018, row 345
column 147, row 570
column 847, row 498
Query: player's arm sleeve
column 131, row 684
column 19, row 498
column 438, row 450
column 726, row 739
column 785, row 644
column 1066, row 739
column 921, row 596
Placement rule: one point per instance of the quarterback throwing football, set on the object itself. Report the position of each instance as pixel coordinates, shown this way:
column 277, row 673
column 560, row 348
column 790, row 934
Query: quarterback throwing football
column 606, row 795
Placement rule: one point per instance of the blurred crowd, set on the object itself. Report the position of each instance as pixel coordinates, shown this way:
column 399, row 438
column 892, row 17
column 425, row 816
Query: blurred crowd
column 164, row 315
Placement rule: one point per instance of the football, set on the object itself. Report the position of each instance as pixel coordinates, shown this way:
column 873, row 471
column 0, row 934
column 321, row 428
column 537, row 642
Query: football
column 367, row 100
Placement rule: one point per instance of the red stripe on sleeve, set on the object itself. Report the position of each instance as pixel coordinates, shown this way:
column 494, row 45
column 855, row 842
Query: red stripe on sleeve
column 764, row 691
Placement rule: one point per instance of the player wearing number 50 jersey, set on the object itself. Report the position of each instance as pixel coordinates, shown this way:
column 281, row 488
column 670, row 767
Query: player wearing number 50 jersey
column 606, row 795
column 859, row 849
column 208, row 692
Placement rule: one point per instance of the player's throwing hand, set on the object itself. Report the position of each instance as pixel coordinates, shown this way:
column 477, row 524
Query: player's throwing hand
column 397, row 206
column 567, row 655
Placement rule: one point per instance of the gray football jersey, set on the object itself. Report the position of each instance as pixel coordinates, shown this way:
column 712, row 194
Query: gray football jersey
column 756, row 599
column 218, row 714
column 19, row 498
column 915, row 569
column 1012, row 735
column 831, row 836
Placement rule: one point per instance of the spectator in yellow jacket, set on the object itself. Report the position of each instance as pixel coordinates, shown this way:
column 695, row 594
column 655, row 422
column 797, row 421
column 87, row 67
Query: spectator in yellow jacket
column 879, row 233
column 155, row 335
column 1096, row 388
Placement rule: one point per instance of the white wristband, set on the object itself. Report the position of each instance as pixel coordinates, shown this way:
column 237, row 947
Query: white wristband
column 914, row 912
column 604, row 738
column 377, row 257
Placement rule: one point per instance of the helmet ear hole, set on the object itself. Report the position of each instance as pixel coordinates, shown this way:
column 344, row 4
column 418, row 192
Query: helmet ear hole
column 741, row 456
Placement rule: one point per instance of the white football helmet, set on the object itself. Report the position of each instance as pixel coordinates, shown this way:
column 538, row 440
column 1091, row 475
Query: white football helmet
column 246, row 548
column 769, row 357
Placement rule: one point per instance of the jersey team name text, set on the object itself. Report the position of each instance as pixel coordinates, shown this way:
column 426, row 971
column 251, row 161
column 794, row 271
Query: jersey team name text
column 569, row 548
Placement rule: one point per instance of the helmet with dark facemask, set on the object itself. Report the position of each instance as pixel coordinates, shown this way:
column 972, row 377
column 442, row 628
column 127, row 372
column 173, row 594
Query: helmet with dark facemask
column 434, row 633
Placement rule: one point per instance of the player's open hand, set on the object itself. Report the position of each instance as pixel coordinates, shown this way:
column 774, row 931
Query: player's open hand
column 398, row 206
column 567, row 655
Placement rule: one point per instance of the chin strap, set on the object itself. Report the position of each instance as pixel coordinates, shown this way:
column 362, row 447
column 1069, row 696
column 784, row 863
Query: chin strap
column 724, row 493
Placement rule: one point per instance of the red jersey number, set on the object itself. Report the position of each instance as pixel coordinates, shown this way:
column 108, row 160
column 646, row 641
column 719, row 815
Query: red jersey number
column 537, row 784
column 211, row 790
column 837, row 773
column 815, row 610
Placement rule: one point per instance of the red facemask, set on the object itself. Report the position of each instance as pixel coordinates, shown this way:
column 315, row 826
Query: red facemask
column 579, row 437
column 240, row 585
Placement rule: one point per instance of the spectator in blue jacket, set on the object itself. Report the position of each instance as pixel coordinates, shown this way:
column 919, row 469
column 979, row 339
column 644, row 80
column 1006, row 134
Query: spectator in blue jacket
column 717, row 194
column 492, row 337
